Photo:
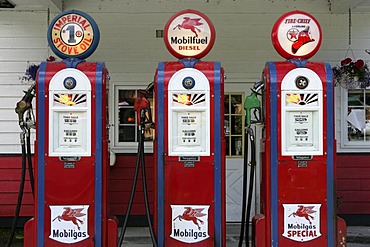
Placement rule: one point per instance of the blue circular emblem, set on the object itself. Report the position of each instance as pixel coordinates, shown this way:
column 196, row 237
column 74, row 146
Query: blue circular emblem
column 69, row 83
column 188, row 82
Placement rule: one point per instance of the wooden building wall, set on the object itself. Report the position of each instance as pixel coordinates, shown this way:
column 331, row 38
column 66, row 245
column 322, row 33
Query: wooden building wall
column 353, row 183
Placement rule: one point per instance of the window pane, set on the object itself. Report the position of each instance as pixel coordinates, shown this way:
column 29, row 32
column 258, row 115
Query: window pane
column 126, row 97
column 358, row 115
column 236, row 123
column 127, row 133
column 227, row 104
column 227, row 139
column 227, row 125
column 127, row 116
column 355, row 98
column 127, row 122
column 236, row 104
column 236, row 145
column 233, row 121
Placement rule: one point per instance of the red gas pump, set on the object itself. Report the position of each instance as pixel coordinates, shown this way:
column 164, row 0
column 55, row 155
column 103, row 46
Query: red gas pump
column 298, row 204
column 71, row 147
column 189, row 145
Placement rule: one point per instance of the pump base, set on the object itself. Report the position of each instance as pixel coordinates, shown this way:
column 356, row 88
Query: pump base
column 28, row 240
column 341, row 232
column 112, row 234
column 258, row 230
column 112, row 231
column 259, row 238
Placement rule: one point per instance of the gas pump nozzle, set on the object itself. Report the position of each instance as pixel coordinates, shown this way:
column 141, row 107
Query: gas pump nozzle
column 252, row 102
column 25, row 103
column 142, row 107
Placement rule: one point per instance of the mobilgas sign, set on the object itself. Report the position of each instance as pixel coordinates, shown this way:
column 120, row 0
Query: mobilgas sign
column 189, row 223
column 73, row 34
column 296, row 34
column 69, row 223
column 302, row 222
column 189, row 34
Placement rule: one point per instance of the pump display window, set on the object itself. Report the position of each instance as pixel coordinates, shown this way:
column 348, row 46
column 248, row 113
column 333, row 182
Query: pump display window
column 355, row 118
column 233, row 124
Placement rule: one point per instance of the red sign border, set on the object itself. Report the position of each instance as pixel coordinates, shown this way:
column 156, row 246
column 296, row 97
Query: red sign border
column 211, row 41
column 275, row 39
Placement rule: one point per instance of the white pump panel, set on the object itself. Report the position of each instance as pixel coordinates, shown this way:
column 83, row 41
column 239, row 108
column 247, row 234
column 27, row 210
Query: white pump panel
column 302, row 113
column 189, row 113
column 70, row 114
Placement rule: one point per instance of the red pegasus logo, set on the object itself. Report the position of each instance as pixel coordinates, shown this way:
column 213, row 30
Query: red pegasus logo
column 305, row 212
column 191, row 214
column 70, row 214
column 190, row 23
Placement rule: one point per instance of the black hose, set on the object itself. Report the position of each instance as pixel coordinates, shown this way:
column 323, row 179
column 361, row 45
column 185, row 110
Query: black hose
column 29, row 159
column 145, row 190
column 132, row 195
column 20, row 196
column 247, row 212
column 140, row 159
column 251, row 183
column 244, row 196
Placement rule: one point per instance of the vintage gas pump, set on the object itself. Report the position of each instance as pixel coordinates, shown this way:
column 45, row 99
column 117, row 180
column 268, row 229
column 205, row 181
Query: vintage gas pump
column 189, row 145
column 298, row 203
column 71, row 147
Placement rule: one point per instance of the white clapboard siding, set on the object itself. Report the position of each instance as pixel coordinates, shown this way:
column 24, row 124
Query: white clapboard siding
column 131, row 51
column 22, row 40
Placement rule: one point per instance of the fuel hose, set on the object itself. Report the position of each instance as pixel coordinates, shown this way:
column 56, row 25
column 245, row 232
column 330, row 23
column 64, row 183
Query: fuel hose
column 247, row 203
column 140, row 160
column 20, row 192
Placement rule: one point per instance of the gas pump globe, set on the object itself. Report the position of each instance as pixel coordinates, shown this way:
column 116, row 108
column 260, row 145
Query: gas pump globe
column 298, row 204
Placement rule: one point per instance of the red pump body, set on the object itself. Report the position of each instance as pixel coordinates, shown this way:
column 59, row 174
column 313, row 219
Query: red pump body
column 189, row 154
column 298, row 204
column 72, row 161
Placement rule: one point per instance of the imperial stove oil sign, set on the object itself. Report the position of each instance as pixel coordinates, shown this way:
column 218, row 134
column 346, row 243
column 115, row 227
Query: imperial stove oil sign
column 69, row 223
column 302, row 222
column 189, row 223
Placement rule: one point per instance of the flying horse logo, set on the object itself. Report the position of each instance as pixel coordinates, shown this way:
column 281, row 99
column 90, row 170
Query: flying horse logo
column 191, row 214
column 305, row 212
column 70, row 214
column 191, row 24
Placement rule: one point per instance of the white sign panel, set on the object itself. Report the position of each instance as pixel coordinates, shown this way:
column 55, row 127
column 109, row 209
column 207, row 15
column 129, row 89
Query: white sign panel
column 71, row 128
column 302, row 222
column 190, row 127
column 69, row 223
column 301, row 128
column 189, row 223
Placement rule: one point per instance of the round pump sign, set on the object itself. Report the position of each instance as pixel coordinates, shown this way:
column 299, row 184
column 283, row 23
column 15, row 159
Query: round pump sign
column 296, row 34
column 73, row 34
column 189, row 34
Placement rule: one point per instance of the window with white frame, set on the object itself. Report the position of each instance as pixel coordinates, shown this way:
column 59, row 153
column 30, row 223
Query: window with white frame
column 125, row 122
column 234, row 124
column 355, row 118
